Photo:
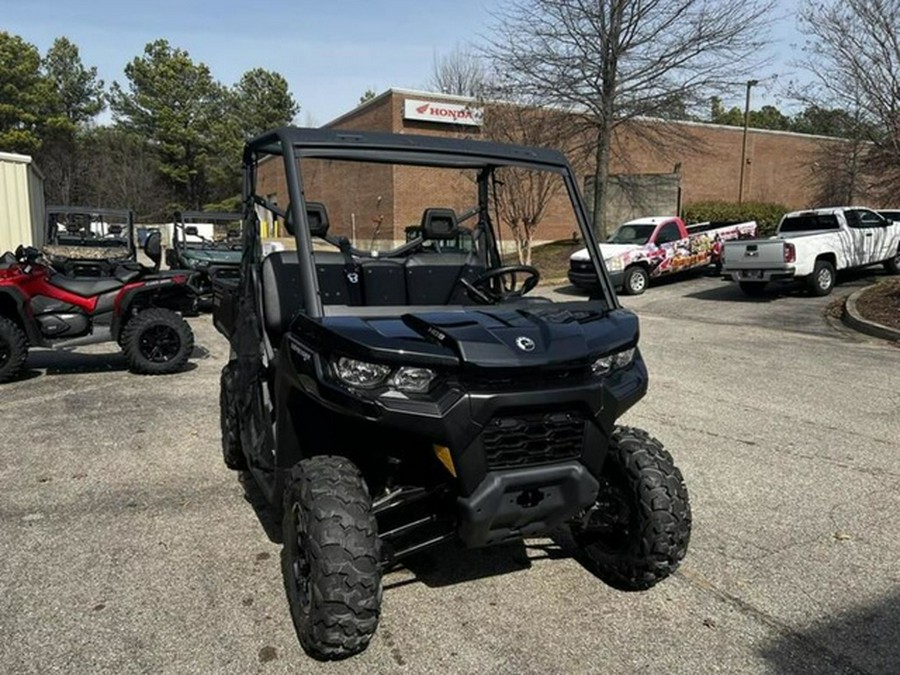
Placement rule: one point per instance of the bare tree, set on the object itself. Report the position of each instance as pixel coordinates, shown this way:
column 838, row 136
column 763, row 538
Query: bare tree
column 461, row 72
column 523, row 195
column 853, row 53
column 611, row 61
column 120, row 171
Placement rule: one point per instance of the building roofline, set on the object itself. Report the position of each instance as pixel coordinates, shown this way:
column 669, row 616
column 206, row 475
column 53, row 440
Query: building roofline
column 16, row 157
column 729, row 127
column 454, row 98
column 22, row 159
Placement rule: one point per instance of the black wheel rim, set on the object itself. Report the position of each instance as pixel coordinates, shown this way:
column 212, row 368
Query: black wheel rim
column 159, row 344
column 299, row 563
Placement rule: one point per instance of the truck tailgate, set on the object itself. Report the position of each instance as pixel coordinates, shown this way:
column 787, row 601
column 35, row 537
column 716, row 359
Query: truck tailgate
column 753, row 254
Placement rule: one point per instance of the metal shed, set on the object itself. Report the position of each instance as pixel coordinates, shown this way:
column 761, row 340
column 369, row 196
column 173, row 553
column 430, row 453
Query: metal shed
column 21, row 202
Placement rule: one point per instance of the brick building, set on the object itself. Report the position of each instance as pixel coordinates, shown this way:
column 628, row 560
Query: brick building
column 781, row 167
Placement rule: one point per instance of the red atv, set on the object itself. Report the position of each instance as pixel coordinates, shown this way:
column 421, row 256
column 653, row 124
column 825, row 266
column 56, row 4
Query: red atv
column 138, row 307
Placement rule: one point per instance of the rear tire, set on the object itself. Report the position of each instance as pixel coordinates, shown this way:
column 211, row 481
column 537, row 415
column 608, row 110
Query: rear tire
column 754, row 289
column 635, row 281
column 330, row 561
column 13, row 349
column 892, row 265
column 232, row 451
column 638, row 531
column 821, row 281
column 157, row 342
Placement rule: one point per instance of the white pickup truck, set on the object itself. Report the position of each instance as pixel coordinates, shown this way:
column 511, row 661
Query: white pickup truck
column 813, row 246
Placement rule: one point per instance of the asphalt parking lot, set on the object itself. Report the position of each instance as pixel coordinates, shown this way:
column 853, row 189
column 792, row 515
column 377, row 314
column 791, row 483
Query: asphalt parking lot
column 126, row 546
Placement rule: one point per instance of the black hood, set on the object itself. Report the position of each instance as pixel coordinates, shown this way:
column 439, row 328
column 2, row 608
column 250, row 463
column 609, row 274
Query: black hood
column 524, row 337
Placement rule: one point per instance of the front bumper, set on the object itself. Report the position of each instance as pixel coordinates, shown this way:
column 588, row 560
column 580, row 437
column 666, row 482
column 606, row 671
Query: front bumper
column 517, row 503
column 588, row 280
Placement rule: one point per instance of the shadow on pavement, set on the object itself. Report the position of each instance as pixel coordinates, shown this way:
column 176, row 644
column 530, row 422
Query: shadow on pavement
column 63, row 362
column 729, row 292
column 847, row 281
column 656, row 282
column 451, row 564
column 864, row 640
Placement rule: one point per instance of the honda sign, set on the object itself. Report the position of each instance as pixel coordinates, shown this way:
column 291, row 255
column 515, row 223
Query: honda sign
column 442, row 113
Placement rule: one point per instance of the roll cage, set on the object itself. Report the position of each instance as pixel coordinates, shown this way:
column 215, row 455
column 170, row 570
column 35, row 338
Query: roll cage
column 292, row 144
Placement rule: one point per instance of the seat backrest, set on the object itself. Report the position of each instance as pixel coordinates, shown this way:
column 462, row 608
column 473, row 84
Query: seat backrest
column 439, row 224
column 433, row 273
column 281, row 292
column 332, row 277
column 318, row 219
column 384, row 282
column 433, row 278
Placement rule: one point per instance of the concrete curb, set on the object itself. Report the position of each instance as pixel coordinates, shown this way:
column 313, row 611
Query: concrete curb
column 851, row 317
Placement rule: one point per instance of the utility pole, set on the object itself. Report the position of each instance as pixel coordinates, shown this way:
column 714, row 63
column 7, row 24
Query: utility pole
column 750, row 83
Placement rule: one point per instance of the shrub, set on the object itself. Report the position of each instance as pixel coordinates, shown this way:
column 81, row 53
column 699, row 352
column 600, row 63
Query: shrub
column 766, row 215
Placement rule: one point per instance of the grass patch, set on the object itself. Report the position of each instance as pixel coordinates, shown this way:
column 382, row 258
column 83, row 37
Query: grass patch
column 552, row 260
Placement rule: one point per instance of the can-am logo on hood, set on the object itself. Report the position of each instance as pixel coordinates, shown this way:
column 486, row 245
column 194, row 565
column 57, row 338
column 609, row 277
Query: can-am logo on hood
column 442, row 113
column 526, row 344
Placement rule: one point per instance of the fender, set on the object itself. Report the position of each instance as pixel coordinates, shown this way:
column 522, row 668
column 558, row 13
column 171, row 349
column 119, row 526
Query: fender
column 129, row 293
column 15, row 306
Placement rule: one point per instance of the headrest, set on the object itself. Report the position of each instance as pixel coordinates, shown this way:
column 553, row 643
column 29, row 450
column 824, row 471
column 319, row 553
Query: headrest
column 318, row 219
column 439, row 224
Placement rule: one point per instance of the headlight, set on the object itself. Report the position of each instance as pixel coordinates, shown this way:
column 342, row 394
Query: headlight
column 365, row 375
column 360, row 373
column 614, row 264
column 610, row 362
column 415, row 380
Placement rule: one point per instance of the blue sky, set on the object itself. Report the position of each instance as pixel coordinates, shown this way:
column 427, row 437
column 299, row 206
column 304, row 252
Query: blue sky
column 330, row 52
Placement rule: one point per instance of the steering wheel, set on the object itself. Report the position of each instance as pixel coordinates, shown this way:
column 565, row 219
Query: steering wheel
column 480, row 289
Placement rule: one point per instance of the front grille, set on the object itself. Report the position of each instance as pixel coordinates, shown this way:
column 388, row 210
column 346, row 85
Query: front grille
column 530, row 439
column 524, row 378
column 581, row 265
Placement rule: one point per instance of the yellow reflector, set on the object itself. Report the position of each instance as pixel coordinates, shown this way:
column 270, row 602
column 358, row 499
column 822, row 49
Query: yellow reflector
column 443, row 454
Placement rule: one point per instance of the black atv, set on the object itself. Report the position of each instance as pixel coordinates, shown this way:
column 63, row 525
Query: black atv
column 390, row 399
column 213, row 252
column 84, row 241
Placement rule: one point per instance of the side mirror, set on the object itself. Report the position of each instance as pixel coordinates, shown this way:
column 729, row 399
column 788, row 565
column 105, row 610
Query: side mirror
column 191, row 230
column 153, row 248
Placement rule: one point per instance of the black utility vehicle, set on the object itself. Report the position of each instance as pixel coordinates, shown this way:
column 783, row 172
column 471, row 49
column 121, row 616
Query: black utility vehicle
column 389, row 400
column 214, row 251
column 83, row 241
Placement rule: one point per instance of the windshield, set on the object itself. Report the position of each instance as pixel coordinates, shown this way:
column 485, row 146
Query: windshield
column 632, row 234
column 414, row 235
column 202, row 232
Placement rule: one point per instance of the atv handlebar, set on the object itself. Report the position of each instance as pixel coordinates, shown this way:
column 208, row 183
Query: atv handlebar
column 27, row 254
